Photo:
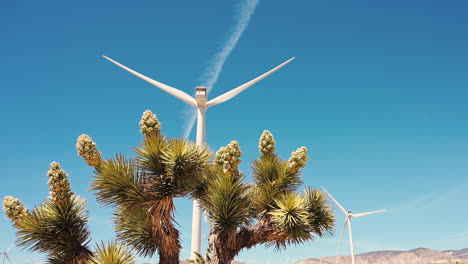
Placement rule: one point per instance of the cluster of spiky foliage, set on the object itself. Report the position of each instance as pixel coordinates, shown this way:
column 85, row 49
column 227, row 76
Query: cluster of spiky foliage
column 227, row 201
column 59, row 229
column 142, row 189
column 58, row 182
column 229, row 157
column 149, row 124
column 112, row 253
column 199, row 259
column 88, row 151
column 270, row 211
column 14, row 209
column 266, row 143
column 59, row 226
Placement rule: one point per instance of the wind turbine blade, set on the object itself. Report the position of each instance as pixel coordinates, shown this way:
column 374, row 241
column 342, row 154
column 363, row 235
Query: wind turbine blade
column 9, row 248
column 228, row 95
column 8, row 258
column 337, row 203
column 170, row 90
column 341, row 238
column 363, row 214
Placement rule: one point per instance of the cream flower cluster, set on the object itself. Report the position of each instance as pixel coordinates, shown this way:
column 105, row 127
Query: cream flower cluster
column 13, row 208
column 298, row 159
column 88, row 151
column 228, row 157
column 58, row 182
column 267, row 143
column 150, row 125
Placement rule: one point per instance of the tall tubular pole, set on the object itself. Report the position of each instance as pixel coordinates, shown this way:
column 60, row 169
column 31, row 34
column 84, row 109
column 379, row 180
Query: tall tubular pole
column 197, row 211
column 350, row 228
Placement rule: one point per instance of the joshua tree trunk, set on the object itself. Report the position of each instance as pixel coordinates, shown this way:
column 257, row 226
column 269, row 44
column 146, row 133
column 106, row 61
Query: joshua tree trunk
column 160, row 219
column 225, row 247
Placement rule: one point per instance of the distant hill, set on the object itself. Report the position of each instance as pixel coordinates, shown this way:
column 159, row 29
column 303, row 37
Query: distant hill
column 415, row 256
column 234, row 262
column 186, row 262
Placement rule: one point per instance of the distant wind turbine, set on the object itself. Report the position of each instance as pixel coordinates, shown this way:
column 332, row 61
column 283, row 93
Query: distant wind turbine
column 5, row 254
column 349, row 215
column 199, row 102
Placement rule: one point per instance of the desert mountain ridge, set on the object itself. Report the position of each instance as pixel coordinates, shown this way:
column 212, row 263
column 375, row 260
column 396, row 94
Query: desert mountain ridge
column 414, row 256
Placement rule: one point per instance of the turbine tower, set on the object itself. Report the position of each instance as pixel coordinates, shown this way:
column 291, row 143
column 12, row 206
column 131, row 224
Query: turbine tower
column 349, row 215
column 200, row 102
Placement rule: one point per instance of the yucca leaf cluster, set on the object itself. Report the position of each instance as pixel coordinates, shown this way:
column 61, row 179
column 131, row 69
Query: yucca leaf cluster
column 58, row 227
column 142, row 188
column 271, row 210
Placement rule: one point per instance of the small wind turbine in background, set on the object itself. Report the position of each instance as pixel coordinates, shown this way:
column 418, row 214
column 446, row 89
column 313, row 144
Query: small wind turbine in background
column 5, row 254
column 200, row 102
column 349, row 215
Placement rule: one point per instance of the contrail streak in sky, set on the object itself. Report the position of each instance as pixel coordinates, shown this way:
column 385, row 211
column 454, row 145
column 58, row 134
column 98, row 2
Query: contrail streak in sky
column 215, row 67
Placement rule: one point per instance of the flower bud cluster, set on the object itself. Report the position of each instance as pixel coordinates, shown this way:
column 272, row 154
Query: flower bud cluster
column 58, row 182
column 228, row 157
column 88, row 151
column 14, row 209
column 150, row 125
column 298, row 159
column 267, row 143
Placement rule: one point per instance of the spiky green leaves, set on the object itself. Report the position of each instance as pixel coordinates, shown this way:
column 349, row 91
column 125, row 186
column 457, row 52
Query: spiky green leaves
column 150, row 125
column 185, row 162
column 272, row 178
column 113, row 253
column 58, row 182
column 266, row 143
column 131, row 227
column 321, row 217
column 291, row 220
column 229, row 157
column 228, row 202
column 88, row 151
column 172, row 167
column 149, row 155
column 299, row 217
column 118, row 182
column 298, row 159
column 57, row 228
column 199, row 259
column 141, row 188
column 14, row 209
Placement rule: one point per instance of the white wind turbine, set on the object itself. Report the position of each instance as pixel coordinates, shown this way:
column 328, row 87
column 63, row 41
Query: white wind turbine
column 5, row 254
column 349, row 215
column 199, row 102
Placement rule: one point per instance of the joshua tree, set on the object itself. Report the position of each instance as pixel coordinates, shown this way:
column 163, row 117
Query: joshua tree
column 142, row 189
column 270, row 211
column 59, row 226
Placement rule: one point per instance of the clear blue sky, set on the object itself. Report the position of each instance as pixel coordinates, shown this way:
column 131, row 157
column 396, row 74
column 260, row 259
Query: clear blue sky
column 377, row 94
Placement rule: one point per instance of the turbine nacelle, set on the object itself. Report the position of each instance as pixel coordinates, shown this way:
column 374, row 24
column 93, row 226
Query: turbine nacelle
column 200, row 96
